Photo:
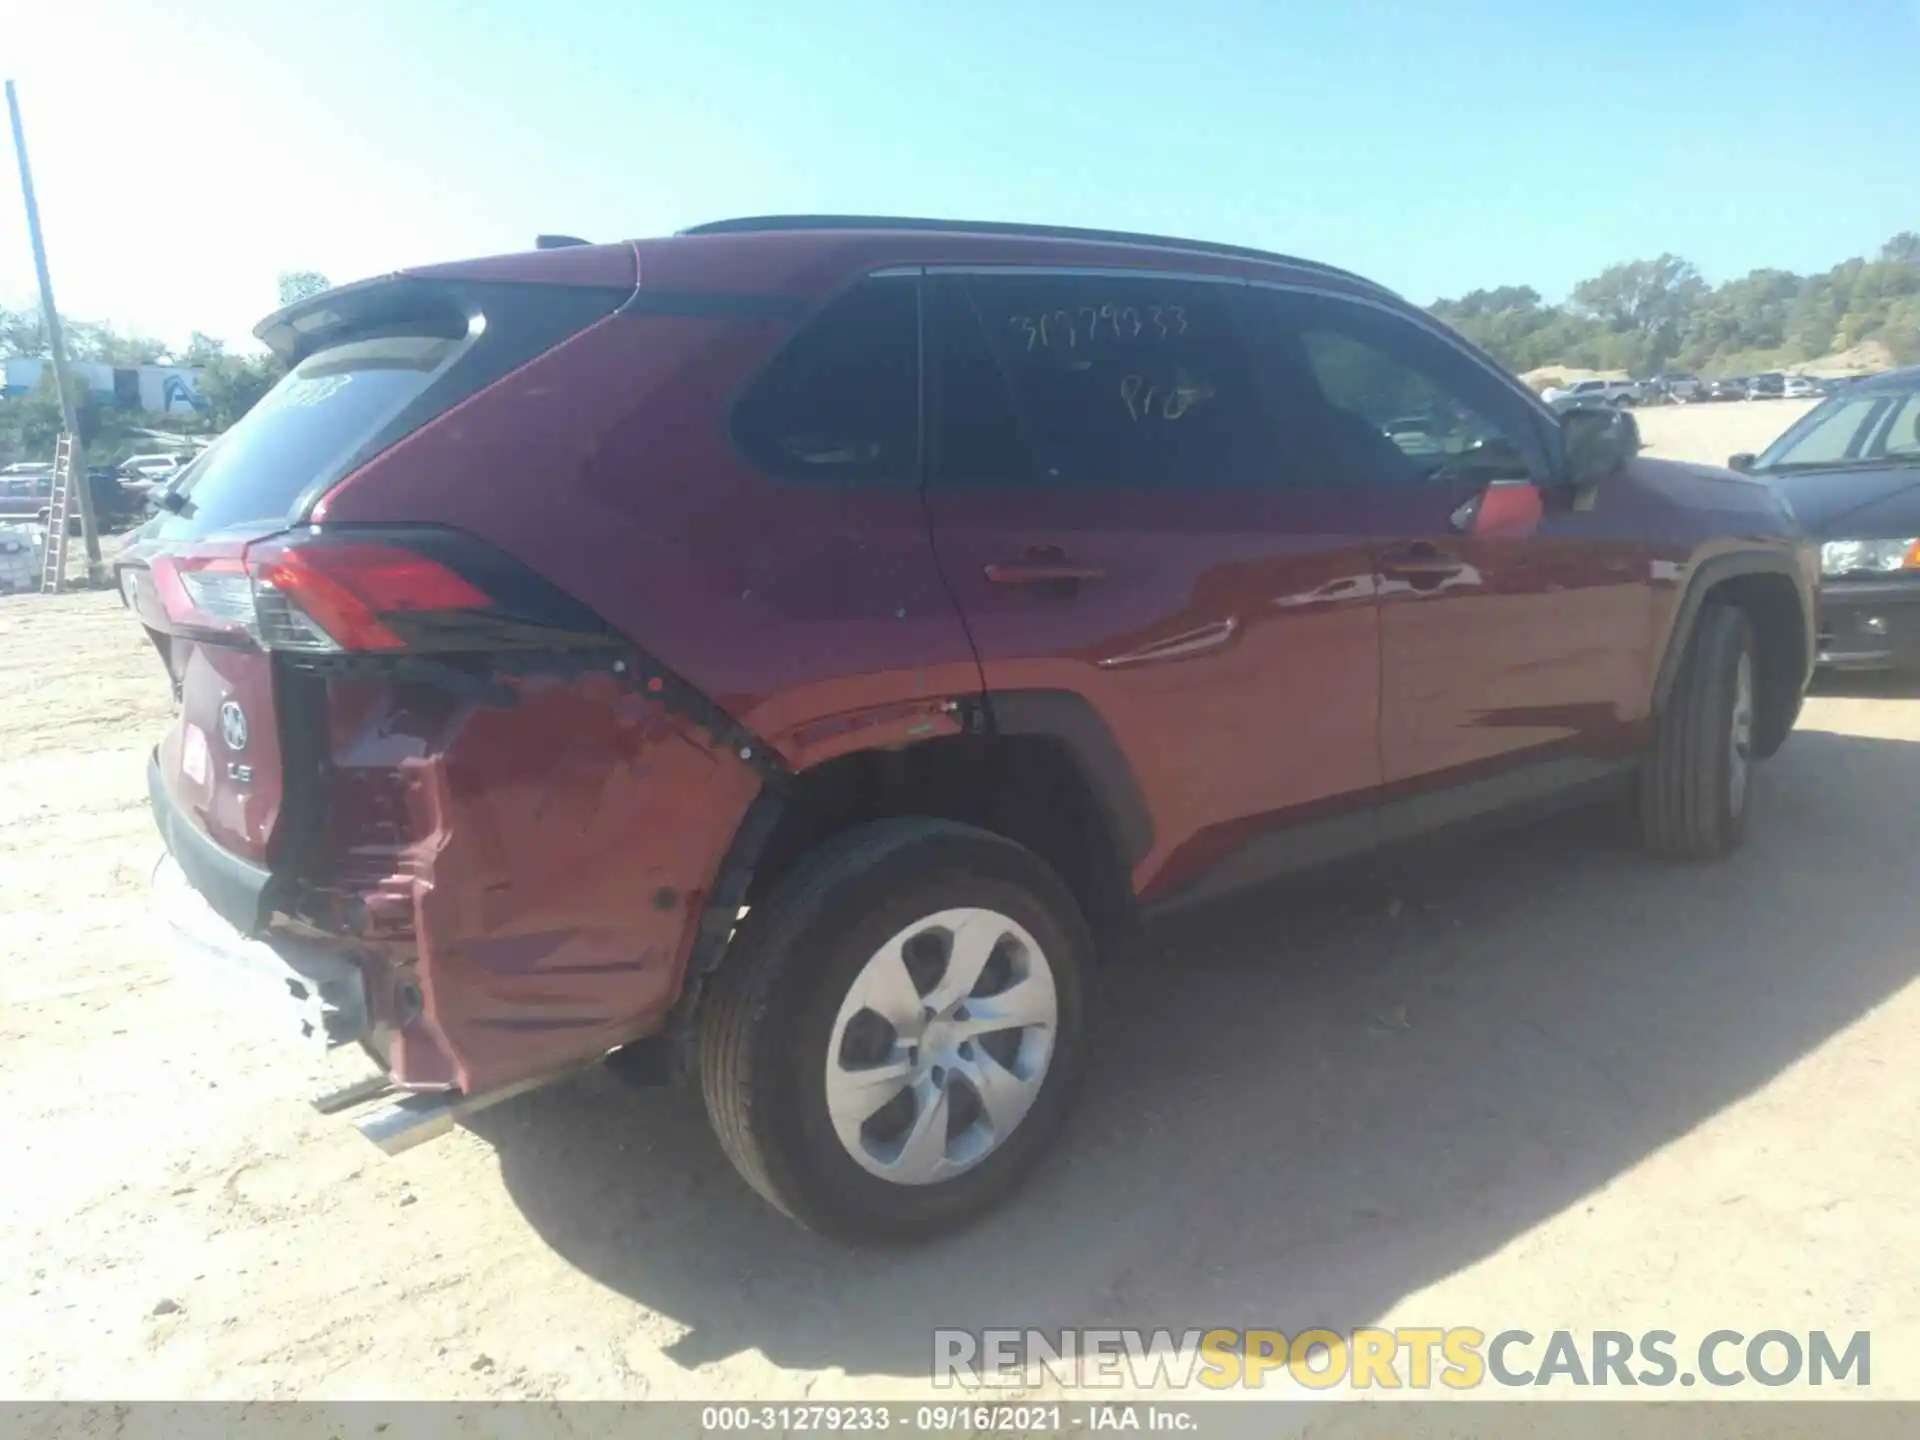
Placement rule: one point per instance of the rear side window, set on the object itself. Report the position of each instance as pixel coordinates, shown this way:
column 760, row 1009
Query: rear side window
column 321, row 412
column 1127, row 382
column 1900, row 436
column 1835, row 432
column 386, row 358
column 841, row 404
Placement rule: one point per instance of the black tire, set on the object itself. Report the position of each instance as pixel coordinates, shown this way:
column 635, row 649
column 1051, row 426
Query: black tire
column 767, row 1023
column 1691, row 807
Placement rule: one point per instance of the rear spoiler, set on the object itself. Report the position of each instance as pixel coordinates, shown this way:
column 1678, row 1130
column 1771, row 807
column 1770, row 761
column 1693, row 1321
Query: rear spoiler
column 429, row 294
column 295, row 331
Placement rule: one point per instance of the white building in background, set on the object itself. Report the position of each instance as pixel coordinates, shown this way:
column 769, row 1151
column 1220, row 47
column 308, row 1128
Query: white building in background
column 156, row 389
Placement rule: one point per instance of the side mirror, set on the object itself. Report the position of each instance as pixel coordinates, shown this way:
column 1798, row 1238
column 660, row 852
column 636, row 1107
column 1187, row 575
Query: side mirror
column 1743, row 462
column 1599, row 440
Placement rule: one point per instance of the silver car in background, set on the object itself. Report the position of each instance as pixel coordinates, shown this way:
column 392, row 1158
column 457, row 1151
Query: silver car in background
column 1593, row 392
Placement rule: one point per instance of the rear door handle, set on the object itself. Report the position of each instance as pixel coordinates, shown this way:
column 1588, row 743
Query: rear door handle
column 1040, row 572
column 1045, row 565
column 1422, row 560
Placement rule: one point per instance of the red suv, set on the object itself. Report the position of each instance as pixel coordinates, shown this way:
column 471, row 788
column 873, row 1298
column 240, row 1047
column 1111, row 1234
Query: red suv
column 790, row 649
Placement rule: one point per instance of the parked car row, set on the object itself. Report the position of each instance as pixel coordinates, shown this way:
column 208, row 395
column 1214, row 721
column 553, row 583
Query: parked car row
column 1770, row 385
column 26, row 493
column 1681, row 389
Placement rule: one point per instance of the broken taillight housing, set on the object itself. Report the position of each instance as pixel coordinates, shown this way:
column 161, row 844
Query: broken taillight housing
column 371, row 592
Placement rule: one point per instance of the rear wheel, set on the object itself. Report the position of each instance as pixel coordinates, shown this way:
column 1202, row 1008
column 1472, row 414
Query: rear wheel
column 892, row 1044
column 1696, row 787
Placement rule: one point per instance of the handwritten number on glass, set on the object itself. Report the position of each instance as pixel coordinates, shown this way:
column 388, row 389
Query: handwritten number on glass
column 1138, row 394
column 1064, row 329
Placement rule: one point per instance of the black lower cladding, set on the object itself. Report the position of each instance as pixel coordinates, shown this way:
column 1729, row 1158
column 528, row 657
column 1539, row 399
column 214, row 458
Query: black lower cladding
column 1870, row 627
column 233, row 887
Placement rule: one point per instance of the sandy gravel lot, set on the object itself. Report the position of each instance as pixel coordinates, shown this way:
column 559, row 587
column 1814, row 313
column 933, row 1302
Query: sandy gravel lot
column 1712, row 432
column 1537, row 1083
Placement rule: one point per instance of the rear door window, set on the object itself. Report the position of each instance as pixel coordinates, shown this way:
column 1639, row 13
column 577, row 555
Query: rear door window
column 1837, row 431
column 1128, row 382
column 1899, row 437
column 976, row 437
column 841, row 404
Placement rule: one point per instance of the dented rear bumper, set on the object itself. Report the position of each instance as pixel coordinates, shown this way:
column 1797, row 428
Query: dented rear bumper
column 308, row 992
column 486, row 890
column 311, row 994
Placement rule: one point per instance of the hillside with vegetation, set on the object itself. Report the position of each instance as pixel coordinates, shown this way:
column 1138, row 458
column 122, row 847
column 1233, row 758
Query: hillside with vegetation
column 1648, row 316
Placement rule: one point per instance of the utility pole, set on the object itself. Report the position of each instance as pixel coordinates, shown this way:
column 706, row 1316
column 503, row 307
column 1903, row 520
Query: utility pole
column 56, row 342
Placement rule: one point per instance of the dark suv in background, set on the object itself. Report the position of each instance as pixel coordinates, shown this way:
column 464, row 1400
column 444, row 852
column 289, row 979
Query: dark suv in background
column 790, row 649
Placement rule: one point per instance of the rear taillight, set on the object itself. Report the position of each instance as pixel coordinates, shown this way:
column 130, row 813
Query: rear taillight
column 369, row 593
column 208, row 594
column 333, row 596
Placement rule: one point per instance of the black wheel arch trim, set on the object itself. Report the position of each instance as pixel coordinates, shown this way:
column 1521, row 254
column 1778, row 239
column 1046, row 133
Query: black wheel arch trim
column 717, row 919
column 1705, row 576
column 1059, row 714
column 1071, row 719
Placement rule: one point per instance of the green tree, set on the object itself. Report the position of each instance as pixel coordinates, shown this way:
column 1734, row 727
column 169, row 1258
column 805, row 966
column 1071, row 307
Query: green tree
column 1648, row 300
column 202, row 349
column 1903, row 249
column 22, row 332
column 1648, row 315
column 31, row 423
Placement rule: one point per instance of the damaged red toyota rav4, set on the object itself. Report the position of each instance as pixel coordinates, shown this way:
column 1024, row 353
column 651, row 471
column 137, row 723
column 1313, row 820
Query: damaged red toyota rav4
column 789, row 651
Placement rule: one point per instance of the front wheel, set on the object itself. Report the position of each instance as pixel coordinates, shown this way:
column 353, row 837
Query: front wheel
column 892, row 1043
column 1696, row 786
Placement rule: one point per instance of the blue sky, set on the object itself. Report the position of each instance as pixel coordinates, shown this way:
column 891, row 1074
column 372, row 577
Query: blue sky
column 187, row 152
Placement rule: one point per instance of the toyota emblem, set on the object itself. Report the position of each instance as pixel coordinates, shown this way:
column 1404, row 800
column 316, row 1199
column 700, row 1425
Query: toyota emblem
column 233, row 726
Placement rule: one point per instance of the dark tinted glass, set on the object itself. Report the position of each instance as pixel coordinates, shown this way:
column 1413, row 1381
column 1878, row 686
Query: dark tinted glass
column 1836, row 431
column 325, row 409
column 1363, row 397
column 841, row 403
column 1126, row 382
column 976, row 438
column 1900, row 437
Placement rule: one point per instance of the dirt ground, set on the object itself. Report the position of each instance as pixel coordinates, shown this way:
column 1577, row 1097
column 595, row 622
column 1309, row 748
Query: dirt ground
column 1536, row 1083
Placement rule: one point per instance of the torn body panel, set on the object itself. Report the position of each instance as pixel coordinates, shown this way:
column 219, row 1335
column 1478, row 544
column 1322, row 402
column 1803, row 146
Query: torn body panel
column 526, row 877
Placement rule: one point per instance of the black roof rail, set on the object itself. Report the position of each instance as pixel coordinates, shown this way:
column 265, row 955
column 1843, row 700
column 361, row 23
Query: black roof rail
column 557, row 242
column 757, row 224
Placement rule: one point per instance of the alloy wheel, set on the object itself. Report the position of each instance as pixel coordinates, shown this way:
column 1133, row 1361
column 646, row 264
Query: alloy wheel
column 941, row 1046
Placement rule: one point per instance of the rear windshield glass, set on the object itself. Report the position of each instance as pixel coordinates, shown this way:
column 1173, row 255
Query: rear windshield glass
column 315, row 418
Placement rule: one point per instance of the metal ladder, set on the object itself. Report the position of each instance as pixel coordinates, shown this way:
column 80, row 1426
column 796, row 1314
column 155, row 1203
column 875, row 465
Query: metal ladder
column 53, row 565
